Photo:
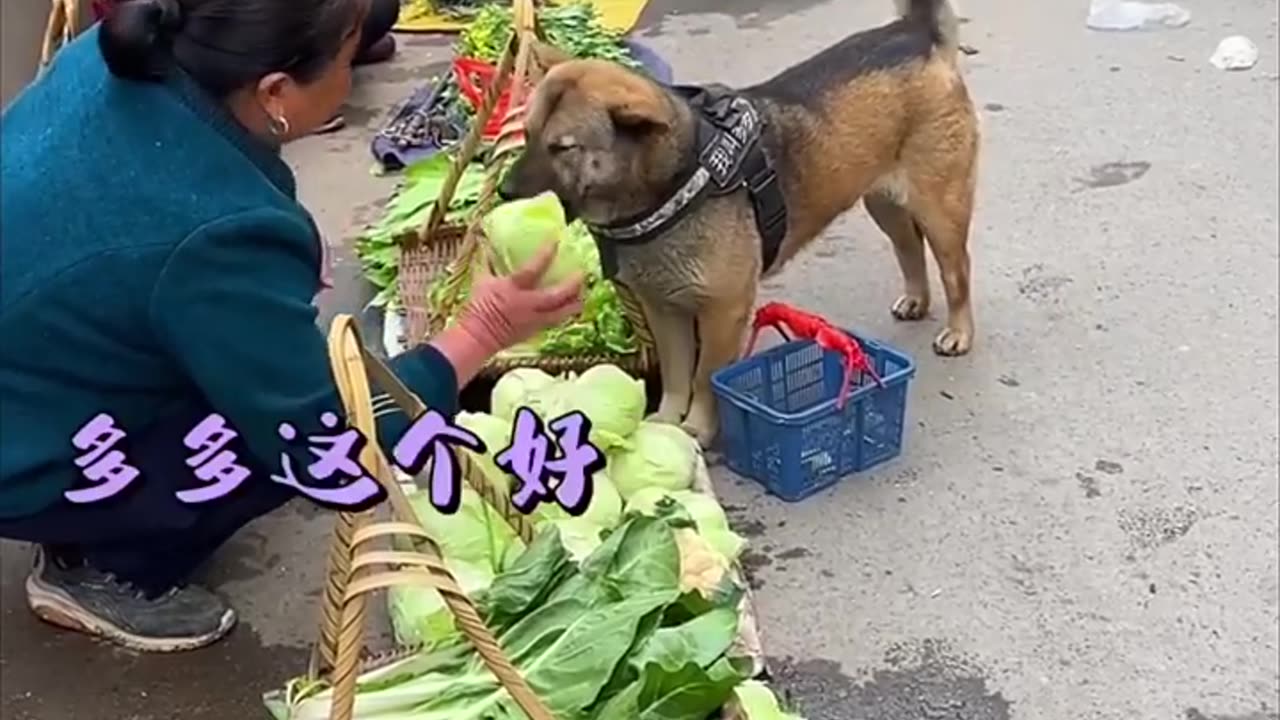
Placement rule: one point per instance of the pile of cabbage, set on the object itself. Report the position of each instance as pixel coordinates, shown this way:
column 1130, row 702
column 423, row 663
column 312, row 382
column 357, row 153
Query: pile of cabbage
column 651, row 470
column 627, row 611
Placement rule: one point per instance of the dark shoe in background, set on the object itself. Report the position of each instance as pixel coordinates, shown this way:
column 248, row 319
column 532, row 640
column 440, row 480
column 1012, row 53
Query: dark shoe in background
column 77, row 597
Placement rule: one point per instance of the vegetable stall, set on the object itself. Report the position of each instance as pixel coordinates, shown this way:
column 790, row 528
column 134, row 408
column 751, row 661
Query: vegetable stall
column 633, row 609
column 422, row 281
column 636, row 608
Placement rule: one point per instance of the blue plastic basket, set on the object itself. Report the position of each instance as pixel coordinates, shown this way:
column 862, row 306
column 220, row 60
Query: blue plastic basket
column 779, row 424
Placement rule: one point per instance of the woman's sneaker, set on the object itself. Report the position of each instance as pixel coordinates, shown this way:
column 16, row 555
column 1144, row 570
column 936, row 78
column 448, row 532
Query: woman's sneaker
column 77, row 597
column 333, row 124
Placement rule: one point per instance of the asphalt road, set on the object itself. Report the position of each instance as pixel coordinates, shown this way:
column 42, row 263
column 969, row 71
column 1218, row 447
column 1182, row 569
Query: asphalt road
column 1083, row 525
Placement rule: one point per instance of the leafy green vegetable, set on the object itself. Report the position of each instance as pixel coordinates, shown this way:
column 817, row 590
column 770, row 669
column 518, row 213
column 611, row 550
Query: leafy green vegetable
column 476, row 542
column 568, row 645
column 529, row 579
column 581, row 537
column 378, row 248
column 583, row 534
column 601, row 327
column 657, row 455
column 705, row 513
column 419, row 615
column 611, row 616
column 521, row 387
column 495, row 433
column 604, row 511
column 691, row 693
column 611, row 399
column 475, row 534
column 574, row 28
column 758, row 702
column 517, row 231
column 702, row 639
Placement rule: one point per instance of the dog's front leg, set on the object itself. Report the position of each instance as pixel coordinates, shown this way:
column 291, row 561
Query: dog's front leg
column 54, row 32
column 722, row 323
column 673, row 335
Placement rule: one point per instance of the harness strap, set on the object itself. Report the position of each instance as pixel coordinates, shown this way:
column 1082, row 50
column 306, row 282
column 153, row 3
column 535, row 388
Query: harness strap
column 730, row 157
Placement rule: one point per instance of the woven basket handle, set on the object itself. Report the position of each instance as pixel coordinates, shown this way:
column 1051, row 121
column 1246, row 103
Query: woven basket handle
column 351, row 362
column 413, row 408
column 523, row 25
column 529, row 67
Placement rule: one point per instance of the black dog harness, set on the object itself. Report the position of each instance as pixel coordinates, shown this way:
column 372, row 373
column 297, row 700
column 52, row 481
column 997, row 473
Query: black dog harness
column 730, row 157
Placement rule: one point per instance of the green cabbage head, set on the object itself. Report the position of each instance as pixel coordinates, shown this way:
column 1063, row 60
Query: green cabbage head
column 611, row 399
column 419, row 615
column 655, row 455
column 521, row 387
column 518, row 229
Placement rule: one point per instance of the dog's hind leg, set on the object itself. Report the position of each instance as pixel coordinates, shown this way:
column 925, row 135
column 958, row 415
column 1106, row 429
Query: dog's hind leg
column 673, row 336
column 908, row 244
column 722, row 324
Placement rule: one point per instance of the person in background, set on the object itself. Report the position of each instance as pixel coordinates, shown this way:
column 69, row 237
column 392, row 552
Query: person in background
column 377, row 44
column 157, row 304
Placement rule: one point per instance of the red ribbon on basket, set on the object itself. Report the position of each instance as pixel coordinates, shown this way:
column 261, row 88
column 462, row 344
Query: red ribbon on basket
column 474, row 77
column 783, row 317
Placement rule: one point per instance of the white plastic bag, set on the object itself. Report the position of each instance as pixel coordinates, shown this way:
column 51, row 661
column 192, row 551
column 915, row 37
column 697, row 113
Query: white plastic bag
column 1235, row 53
column 1132, row 15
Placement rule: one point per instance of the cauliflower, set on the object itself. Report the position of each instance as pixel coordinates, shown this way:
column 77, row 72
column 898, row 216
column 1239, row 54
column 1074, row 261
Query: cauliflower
column 701, row 567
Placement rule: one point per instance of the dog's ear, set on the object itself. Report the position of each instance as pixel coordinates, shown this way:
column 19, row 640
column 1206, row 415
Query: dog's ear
column 546, row 96
column 636, row 105
column 547, row 56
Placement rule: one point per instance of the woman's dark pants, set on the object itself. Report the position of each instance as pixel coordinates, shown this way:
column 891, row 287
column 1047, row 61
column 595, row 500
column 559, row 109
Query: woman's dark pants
column 378, row 22
column 146, row 535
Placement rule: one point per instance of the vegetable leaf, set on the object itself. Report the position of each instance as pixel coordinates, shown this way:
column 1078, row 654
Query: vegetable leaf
column 639, row 557
column 690, row 693
column 539, row 569
column 703, row 640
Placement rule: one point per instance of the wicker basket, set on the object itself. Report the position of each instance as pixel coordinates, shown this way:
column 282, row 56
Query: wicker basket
column 451, row 250
column 357, row 568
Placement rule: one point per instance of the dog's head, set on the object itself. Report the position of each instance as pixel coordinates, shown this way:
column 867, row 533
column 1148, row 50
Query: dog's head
column 607, row 141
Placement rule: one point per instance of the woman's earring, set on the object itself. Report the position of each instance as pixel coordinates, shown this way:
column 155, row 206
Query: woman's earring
column 279, row 126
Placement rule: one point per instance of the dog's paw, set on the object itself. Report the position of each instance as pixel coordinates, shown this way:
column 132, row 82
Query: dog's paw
column 701, row 426
column 704, row 436
column 665, row 418
column 671, row 410
column 910, row 307
column 951, row 342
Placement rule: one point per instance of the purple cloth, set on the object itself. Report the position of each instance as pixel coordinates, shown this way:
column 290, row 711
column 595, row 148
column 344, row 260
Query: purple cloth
column 391, row 154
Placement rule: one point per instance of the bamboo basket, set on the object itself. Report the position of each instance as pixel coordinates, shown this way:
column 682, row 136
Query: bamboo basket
column 356, row 568
column 453, row 251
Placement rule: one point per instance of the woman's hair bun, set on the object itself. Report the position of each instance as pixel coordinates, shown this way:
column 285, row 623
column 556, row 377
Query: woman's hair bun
column 136, row 37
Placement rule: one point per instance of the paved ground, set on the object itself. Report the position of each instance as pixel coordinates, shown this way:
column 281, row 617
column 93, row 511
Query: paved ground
column 1084, row 524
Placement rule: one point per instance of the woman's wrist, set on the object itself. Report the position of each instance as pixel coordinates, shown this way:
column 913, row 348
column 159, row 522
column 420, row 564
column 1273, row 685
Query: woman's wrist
column 467, row 353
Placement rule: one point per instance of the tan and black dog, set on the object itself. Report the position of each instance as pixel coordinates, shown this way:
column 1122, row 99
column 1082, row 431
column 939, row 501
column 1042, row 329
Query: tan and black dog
column 883, row 116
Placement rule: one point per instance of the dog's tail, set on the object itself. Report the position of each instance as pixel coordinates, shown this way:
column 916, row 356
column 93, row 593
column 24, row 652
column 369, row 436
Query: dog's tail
column 939, row 16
